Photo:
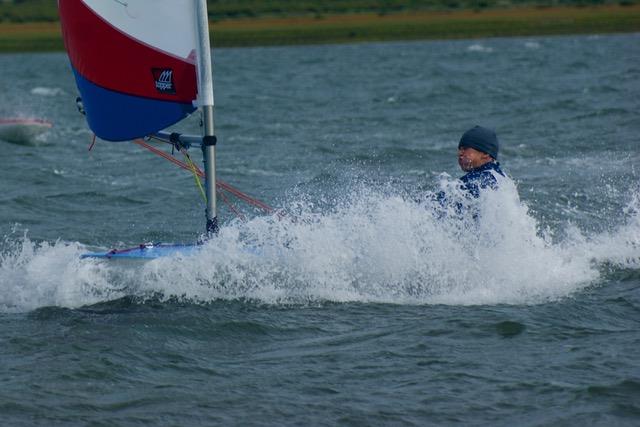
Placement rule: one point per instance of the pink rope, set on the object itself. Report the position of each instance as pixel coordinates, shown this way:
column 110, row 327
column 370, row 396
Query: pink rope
column 219, row 184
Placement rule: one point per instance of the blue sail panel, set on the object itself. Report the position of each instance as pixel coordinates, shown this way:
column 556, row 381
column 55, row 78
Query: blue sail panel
column 136, row 116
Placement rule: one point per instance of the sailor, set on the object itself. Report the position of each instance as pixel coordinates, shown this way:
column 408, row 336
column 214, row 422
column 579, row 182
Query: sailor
column 478, row 157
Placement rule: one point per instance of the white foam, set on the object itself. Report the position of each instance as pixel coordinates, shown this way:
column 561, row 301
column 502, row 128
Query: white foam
column 479, row 48
column 621, row 247
column 34, row 275
column 47, row 91
column 373, row 246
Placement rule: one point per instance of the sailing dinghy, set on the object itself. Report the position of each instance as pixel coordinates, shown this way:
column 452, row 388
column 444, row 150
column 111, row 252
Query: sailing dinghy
column 22, row 130
column 141, row 66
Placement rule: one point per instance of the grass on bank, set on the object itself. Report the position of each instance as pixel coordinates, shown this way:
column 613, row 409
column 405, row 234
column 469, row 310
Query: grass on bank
column 46, row 36
column 41, row 36
column 23, row 11
column 428, row 25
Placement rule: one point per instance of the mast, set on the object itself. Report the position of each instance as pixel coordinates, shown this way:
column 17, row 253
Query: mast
column 205, row 102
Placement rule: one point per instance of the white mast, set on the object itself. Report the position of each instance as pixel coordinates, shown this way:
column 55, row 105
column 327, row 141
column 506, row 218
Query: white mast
column 205, row 102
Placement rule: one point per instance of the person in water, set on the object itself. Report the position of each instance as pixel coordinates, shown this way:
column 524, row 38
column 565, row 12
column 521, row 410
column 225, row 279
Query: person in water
column 478, row 157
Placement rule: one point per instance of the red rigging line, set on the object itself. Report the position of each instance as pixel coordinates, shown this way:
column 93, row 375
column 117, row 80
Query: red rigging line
column 231, row 206
column 221, row 185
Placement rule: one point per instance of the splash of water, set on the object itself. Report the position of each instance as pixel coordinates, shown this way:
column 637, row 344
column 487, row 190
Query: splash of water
column 47, row 91
column 373, row 246
column 34, row 275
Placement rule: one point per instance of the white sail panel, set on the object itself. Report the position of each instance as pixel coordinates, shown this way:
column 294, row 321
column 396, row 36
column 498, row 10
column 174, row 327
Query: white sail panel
column 166, row 25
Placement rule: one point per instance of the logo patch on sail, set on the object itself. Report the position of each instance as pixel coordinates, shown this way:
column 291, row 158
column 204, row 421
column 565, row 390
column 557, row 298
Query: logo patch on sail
column 164, row 80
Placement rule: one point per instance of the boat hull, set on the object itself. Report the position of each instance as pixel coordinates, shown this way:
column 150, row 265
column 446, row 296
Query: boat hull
column 22, row 131
column 147, row 251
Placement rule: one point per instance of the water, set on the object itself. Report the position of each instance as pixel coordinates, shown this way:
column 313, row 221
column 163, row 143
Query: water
column 362, row 307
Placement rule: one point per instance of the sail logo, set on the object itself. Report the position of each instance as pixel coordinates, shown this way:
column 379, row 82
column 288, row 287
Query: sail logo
column 164, row 80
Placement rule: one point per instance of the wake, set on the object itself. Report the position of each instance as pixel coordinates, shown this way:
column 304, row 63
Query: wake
column 374, row 246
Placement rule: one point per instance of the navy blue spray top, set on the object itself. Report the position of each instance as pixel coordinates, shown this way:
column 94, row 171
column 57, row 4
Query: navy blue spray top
column 480, row 178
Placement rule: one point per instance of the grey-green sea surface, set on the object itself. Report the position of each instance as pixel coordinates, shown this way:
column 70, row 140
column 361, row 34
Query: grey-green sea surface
column 360, row 306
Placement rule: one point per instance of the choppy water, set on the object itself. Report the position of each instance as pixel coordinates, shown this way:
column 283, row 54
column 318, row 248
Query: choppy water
column 363, row 308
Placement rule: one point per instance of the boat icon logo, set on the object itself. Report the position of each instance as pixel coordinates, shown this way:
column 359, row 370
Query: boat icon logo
column 164, row 80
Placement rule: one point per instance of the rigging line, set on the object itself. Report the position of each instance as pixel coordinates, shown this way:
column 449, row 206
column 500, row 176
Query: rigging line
column 220, row 184
column 166, row 156
column 197, row 173
column 239, row 194
column 194, row 170
column 231, row 206
column 92, row 142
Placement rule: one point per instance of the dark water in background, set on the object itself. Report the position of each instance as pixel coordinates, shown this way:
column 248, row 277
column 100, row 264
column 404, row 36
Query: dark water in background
column 365, row 310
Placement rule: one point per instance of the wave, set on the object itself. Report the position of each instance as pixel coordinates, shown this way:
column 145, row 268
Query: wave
column 47, row 91
column 479, row 48
column 34, row 275
column 376, row 245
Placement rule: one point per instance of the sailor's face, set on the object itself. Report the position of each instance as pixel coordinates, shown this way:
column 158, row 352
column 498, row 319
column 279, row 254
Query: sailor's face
column 470, row 158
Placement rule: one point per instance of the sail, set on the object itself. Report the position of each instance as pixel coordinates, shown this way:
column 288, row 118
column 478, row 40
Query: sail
column 133, row 61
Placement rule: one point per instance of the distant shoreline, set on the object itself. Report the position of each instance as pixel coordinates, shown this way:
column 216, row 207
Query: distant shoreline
column 526, row 21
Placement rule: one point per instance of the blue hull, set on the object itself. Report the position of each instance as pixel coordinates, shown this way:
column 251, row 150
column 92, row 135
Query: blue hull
column 147, row 251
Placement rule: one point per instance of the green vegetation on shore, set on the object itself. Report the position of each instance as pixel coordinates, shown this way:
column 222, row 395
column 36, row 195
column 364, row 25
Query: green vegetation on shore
column 269, row 29
column 428, row 25
column 28, row 11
